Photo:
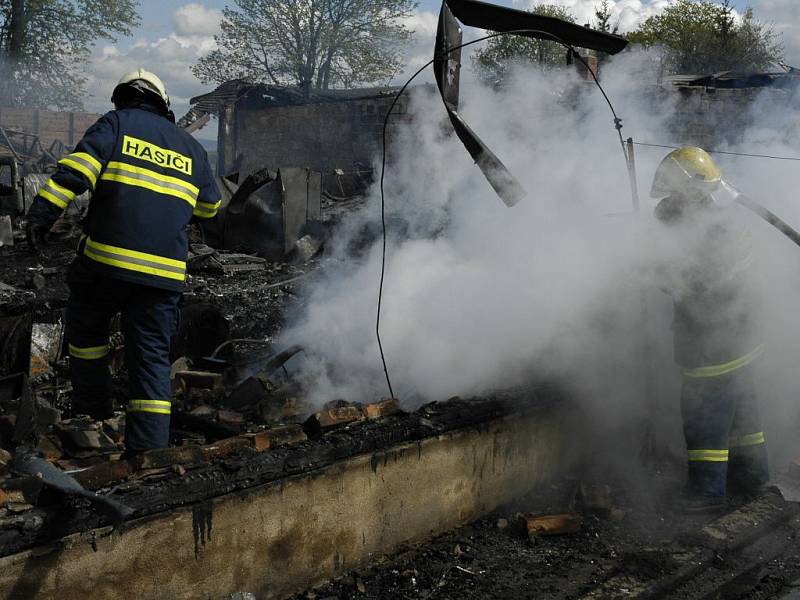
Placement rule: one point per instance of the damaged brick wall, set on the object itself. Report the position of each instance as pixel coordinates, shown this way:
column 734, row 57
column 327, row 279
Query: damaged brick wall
column 322, row 137
column 50, row 126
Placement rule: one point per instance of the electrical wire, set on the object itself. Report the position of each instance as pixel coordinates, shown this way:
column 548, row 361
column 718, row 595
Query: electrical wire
column 447, row 52
column 792, row 158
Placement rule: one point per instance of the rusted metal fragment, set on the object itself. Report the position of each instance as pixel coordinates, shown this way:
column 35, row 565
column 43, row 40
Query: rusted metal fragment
column 166, row 457
column 561, row 524
column 384, row 408
column 326, row 420
column 103, row 474
column 277, row 436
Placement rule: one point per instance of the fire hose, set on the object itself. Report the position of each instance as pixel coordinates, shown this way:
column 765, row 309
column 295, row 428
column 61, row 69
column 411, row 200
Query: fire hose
column 770, row 217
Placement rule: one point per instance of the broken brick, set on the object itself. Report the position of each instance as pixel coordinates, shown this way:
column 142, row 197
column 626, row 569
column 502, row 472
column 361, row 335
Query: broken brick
column 225, row 447
column 12, row 497
column 204, row 380
column 325, row 420
column 277, row 436
column 5, row 457
column 166, row 457
column 561, row 524
column 102, row 474
column 380, row 409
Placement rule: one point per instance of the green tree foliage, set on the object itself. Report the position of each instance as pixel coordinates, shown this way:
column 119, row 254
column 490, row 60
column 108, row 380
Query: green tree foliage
column 315, row 43
column 500, row 54
column 705, row 37
column 602, row 15
column 45, row 46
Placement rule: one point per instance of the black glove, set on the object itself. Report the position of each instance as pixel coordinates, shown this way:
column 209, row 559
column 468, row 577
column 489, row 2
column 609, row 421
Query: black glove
column 36, row 234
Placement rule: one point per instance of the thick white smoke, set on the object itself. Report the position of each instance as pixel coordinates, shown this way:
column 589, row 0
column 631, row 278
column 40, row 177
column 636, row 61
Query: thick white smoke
column 480, row 296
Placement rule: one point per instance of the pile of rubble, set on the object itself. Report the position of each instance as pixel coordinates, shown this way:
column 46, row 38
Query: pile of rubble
column 233, row 396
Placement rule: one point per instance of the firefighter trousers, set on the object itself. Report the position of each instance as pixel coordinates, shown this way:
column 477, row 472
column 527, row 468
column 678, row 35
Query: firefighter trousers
column 149, row 320
column 726, row 446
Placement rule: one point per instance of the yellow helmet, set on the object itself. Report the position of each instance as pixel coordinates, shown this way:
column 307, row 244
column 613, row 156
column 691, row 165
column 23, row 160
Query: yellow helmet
column 686, row 169
column 147, row 80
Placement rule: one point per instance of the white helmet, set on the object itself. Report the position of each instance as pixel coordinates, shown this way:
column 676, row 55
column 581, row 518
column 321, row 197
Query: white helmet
column 144, row 80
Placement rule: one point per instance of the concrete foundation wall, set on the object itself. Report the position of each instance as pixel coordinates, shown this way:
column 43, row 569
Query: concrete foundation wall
column 282, row 538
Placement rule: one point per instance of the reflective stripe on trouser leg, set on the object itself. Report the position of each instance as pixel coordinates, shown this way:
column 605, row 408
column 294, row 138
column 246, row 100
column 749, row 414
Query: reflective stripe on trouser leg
column 749, row 466
column 707, row 406
column 148, row 323
column 89, row 311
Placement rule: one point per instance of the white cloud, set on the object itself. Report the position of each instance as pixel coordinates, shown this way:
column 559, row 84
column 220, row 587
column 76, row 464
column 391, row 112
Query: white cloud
column 628, row 13
column 196, row 19
column 170, row 57
column 784, row 16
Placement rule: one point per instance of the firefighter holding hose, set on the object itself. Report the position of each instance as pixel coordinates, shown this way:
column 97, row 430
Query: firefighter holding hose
column 714, row 338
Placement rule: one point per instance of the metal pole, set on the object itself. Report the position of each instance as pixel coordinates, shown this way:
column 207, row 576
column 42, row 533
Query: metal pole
column 632, row 174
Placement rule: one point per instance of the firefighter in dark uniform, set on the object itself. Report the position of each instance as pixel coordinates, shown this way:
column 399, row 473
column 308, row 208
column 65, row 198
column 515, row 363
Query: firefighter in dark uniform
column 715, row 342
column 147, row 178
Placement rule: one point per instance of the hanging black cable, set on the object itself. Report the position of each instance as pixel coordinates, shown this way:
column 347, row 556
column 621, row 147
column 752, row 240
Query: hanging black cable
column 769, row 156
column 447, row 52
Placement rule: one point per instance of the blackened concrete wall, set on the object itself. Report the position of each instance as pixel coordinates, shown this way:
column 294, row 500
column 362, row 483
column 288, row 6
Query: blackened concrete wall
column 321, row 137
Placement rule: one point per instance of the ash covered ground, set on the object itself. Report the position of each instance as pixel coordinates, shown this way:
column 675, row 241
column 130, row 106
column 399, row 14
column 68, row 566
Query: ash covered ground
column 637, row 546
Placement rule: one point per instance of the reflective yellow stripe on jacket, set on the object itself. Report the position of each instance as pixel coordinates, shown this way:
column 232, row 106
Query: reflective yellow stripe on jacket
column 158, row 407
column 205, row 210
column 708, row 455
column 724, row 369
column 135, row 261
column 151, row 180
column 56, row 194
column 85, row 164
